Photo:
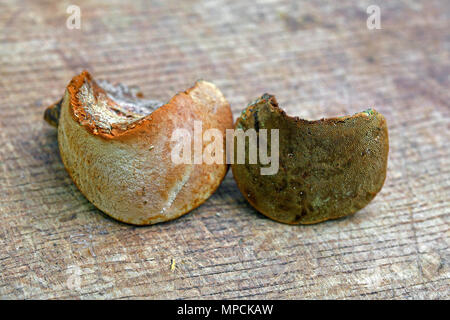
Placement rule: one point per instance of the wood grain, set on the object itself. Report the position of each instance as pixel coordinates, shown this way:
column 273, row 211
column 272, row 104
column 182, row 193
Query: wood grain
column 319, row 59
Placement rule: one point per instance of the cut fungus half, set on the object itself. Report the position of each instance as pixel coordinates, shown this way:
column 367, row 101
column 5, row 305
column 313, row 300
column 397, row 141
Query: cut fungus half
column 116, row 146
column 328, row 168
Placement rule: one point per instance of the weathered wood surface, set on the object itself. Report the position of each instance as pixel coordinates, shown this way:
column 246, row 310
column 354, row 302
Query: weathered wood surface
column 319, row 59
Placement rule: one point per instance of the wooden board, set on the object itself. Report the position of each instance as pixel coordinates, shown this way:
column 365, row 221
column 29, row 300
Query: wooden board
column 319, row 59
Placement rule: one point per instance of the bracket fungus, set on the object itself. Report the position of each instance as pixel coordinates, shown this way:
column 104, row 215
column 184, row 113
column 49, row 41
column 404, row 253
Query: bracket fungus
column 116, row 146
column 328, row 168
